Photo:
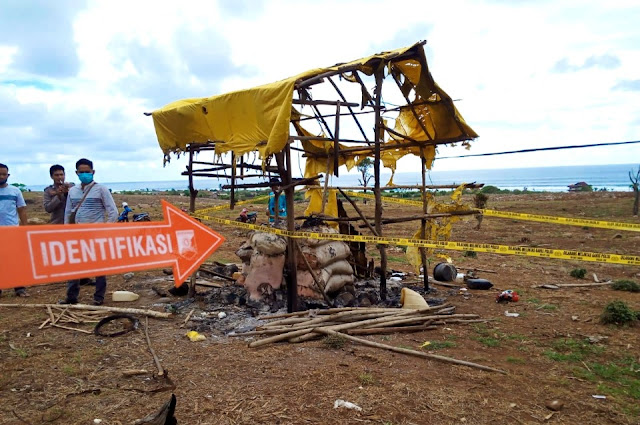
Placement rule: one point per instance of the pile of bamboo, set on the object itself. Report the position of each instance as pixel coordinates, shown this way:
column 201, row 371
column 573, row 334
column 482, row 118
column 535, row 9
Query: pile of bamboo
column 62, row 317
column 347, row 322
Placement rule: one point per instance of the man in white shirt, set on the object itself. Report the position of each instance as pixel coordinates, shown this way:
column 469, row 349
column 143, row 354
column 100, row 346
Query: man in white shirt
column 88, row 202
column 13, row 209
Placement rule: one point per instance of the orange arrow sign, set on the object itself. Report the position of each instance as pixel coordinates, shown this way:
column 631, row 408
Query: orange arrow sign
column 32, row 255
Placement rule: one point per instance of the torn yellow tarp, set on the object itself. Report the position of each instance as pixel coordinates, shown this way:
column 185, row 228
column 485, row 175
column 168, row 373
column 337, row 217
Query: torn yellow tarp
column 244, row 120
column 315, row 203
column 437, row 229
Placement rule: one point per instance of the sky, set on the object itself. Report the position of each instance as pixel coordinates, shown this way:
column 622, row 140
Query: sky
column 76, row 76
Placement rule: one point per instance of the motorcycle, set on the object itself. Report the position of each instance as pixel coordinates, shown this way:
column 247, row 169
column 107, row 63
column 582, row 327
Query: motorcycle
column 141, row 217
column 247, row 217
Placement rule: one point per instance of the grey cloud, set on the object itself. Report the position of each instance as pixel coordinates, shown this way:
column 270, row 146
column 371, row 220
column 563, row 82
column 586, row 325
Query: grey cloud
column 627, row 85
column 605, row 61
column 43, row 33
column 162, row 78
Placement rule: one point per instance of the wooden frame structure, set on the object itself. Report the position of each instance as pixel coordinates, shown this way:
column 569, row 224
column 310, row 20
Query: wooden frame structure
column 329, row 113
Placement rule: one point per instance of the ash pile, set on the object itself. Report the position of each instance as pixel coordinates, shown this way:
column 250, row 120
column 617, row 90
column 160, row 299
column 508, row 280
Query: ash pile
column 327, row 275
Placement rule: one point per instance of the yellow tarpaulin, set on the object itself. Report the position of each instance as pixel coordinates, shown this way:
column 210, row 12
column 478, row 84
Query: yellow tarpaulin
column 257, row 119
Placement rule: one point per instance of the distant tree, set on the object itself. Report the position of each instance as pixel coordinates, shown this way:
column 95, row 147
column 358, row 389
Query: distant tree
column 21, row 186
column 364, row 167
column 635, row 185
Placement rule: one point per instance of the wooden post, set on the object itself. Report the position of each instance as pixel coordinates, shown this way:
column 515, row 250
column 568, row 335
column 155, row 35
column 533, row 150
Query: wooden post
column 376, row 190
column 336, row 145
column 193, row 193
column 292, row 284
column 233, row 181
column 423, row 222
column 284, row 165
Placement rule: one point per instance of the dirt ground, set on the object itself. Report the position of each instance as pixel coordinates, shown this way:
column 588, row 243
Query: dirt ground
column 555, row 350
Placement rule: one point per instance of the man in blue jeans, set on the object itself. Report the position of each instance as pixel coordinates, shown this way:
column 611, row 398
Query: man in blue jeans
column 13, row 210
column 90, row 202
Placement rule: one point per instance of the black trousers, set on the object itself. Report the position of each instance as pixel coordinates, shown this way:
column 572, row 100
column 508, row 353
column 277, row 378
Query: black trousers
column 73, row 289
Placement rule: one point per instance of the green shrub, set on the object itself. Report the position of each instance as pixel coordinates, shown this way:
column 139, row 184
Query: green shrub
column 626, row 285
column 470, row 254
column 578, row 273
column 490, row 189
column 618, row 313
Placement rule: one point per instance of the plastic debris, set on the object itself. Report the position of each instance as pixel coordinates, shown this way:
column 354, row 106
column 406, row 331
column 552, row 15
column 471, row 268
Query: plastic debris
column 222, row 315
column 195, row 336
column 507, row 296
column 506, row 313
column 425, row 344
column 346, row 404
column 599, row 397
column 97, row 421
column 124, row 296
column 411, row 299
column 395, row 279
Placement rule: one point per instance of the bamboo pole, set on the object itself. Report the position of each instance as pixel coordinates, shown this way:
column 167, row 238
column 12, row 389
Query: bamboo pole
column 232, row 194
column 348, row 105
column 411, row 352
column 150, row 313
column 376, row 171
column 355, row 207
column 281, row 337
column 153, row 353
column 55, row 325
column 397, row 329
column 423, row 222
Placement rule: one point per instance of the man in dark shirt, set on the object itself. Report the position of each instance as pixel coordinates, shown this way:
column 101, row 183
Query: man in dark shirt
column 55, row 196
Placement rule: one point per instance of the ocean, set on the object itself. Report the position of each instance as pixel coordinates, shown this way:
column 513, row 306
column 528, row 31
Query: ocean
column 550, row 179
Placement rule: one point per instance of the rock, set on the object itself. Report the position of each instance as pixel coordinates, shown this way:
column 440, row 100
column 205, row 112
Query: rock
column 596, row 339
column 344, row 299
column 128, row 276
column 617, row 236
column 168, row 272
column 555, row 405
column 36, row 220
column 364, row 300
column 574, row 318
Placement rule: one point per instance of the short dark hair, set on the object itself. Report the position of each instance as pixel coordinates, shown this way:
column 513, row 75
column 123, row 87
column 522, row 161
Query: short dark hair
column 4, row 166
column 54, row 168
column 84, row 161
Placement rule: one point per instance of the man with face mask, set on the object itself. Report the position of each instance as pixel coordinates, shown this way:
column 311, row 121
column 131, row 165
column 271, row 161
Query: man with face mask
column 88, row 202
column 13, row 209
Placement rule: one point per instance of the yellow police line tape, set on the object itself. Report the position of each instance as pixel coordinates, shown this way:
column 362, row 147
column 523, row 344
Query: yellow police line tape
column 522, row 216
column 448, row 245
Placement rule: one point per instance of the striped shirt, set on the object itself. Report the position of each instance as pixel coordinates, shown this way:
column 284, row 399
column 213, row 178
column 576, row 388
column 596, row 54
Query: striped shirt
column 10, row 200
column 98, row 202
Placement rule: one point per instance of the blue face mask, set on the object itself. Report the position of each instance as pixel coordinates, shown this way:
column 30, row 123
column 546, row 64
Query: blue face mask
column 85, row 178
